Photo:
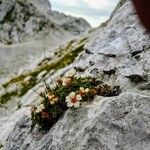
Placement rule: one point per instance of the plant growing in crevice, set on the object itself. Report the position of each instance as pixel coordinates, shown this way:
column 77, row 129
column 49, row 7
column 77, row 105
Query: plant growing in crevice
column 65, row 56
column 68, row 92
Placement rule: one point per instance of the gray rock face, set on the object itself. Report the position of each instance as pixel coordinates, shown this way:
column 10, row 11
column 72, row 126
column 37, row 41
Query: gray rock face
column 119, row 55
column 27, row 28
column 22, row 20
column 42, row 5
column 111, row 123
column 68, row 23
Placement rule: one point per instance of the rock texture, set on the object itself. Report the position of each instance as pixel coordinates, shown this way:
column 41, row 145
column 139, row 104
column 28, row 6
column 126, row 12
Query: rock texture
column 118, row 53
column 111, row 123
column 20, row 21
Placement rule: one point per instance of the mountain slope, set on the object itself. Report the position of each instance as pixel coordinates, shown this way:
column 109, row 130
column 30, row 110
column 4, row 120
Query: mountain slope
column 118, row 54
column 27, row 28
column 22, row 20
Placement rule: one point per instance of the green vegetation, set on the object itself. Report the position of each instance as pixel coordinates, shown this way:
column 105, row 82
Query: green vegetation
column 69, row 91
column 7, row 96
column 54, row 102
column 63, row 57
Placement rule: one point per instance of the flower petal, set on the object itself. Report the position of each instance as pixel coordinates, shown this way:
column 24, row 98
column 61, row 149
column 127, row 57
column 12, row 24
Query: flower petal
column 81, row 89
column 69, row 104
column 86, row 90
column 72, row 94
column 78, row 97
column 68, row 98
column 77, row 104
column 42, row 106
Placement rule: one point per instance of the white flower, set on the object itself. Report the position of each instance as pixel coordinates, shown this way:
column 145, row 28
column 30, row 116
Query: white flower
column 40, row 108
column 83, row 90
column 70, row 73
column 73, row 100
column 66, row 81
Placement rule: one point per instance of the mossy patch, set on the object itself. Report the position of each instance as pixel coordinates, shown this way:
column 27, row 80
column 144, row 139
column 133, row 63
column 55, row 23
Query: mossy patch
column 63, row 58
column 7, row 96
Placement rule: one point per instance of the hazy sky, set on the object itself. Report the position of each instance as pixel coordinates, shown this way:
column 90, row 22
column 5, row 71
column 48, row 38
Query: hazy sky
column 94, row 11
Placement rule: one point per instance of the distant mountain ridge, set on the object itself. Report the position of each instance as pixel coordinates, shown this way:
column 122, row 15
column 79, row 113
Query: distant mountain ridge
column 22, row 20
column 27, row 27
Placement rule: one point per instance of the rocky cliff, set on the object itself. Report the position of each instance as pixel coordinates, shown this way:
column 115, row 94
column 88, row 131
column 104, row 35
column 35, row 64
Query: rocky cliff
column 24, row 20
column 28, row 27
column 117, row 53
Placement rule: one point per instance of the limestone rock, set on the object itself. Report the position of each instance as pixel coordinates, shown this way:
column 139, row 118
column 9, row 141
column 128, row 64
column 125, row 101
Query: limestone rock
column 110, row 123
column 118, row 52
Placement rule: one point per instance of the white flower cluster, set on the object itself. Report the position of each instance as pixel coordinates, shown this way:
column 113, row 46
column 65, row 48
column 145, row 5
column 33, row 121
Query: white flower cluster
column 73, row 99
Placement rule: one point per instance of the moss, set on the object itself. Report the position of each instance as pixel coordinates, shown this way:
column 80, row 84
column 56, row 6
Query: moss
column 63, row 58
column 27, row 85
column 62, row 62
column 83, row 40
column 7, row 96
column 69, row 58
column 14, row 80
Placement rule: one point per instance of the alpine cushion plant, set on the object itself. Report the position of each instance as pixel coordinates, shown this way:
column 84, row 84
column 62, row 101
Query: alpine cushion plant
column 69, row 92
